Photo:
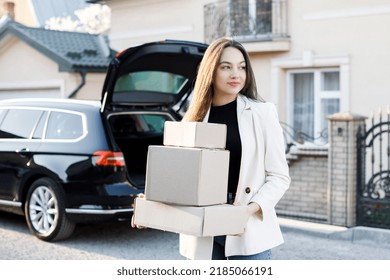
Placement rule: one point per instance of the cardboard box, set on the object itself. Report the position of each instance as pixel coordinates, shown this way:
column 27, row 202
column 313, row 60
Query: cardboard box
column 187, row 176
column 223, row 219
column 196, row 248
column 195, row 134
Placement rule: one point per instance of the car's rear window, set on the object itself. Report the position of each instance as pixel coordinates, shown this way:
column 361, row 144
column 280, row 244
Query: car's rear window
column 151, row 81
column 134, row 125
column 63, row 125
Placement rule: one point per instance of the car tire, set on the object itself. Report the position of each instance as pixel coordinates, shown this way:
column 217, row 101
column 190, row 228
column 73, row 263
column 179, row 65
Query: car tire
column 45, row 211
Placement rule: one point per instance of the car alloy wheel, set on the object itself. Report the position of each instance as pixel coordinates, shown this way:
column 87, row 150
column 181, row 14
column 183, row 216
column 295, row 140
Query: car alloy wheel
column 45, row 211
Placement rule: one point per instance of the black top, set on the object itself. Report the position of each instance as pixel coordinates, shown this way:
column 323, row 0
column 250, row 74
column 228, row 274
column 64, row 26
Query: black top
column 227, row 114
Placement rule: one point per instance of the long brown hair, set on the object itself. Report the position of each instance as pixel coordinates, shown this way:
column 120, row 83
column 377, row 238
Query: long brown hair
column 203, row 89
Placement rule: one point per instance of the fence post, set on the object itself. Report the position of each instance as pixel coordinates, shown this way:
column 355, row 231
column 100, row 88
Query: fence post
column 342, row 167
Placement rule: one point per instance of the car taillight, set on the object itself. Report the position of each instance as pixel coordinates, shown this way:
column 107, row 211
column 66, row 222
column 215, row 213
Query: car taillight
column 108, row 158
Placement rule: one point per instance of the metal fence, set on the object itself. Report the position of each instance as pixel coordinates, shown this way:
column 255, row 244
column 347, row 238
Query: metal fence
column 373, row 173
column 293, row 137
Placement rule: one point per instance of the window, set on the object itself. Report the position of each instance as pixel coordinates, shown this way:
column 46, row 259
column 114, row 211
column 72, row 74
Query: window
column 136, row 125
column 314, row 95
column 154, row 81
column 2, row 114
column 250, row 17
column 38, row 132
column 19, row 123
column 63, row 125
column 155, row 122
column 150, row 123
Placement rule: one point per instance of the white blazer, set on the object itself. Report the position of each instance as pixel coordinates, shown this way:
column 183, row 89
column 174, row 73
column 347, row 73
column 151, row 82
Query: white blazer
column 264, row 176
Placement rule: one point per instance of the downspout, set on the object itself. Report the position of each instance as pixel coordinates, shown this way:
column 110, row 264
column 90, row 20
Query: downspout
column 76, row 90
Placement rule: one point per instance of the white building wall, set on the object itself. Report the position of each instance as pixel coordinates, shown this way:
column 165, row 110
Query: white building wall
column 355, row 30
column 351, row 35
column 21, row 76
column 140, row 21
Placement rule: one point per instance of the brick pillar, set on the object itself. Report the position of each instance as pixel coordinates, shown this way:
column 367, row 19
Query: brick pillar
column 342, row 169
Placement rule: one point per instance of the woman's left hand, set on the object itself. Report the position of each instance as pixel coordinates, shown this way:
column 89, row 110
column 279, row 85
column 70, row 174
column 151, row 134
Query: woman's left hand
column 254, row 208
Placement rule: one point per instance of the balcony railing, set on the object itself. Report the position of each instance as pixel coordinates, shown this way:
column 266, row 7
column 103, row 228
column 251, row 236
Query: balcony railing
column 246, row 20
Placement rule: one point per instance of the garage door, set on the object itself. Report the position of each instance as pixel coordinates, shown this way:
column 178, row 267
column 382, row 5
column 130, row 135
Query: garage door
column 27, row 93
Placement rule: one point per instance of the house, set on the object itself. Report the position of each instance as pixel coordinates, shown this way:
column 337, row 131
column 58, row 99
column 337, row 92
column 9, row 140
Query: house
column 36, row 62
column 35, row 13
column 323, row 63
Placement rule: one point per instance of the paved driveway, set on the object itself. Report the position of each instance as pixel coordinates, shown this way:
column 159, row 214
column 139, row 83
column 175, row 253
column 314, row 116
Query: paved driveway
column 121, row 242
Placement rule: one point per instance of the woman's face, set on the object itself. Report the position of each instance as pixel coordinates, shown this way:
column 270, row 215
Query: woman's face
column 230, row 75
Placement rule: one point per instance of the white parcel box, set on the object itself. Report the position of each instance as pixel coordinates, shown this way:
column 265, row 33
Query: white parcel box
column 187, row 176
column 195, row 134
column 191, row 220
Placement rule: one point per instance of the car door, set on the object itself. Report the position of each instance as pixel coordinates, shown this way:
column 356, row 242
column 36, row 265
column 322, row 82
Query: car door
column 17, row 146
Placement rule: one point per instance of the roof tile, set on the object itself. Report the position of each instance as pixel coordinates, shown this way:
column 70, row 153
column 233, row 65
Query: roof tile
column 72, row 50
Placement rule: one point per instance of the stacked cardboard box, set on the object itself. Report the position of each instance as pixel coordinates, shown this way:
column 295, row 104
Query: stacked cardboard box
column 186, row 188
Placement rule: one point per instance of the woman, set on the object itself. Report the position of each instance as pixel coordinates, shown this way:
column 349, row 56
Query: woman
column 225, row 92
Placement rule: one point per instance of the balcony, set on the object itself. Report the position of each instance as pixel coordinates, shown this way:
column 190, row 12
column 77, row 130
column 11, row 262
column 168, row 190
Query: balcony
column 261, row 25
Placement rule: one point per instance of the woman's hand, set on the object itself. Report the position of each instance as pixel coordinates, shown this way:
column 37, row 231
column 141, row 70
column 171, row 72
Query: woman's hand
column 133, row 225
column 254, row 208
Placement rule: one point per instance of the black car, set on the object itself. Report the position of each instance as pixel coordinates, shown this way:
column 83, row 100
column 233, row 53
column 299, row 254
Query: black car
column 64, row 162
column 58, row 167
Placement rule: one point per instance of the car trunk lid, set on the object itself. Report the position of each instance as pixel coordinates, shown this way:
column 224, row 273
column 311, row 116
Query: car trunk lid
column 153, row 74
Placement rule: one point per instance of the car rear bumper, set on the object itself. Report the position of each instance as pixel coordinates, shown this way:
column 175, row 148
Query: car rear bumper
column 94, row 214
column 98, row 211
column 101, row 203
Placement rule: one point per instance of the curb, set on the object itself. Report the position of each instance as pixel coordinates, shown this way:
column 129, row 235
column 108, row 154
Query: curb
column 358, row 234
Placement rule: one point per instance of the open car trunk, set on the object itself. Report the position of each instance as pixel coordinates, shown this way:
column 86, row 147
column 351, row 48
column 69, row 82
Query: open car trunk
column 133, row 132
